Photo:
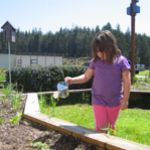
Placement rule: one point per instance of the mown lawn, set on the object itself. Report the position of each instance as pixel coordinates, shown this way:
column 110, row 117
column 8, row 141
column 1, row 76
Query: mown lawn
column 133, row 124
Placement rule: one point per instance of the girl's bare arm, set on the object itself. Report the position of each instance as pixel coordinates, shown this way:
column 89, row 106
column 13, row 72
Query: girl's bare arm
column 126, row 88
column 81, row 78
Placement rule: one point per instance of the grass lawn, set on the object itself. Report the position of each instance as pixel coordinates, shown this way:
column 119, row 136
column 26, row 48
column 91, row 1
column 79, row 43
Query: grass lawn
column 142, row 81
column 144, row 73
column 133, row 124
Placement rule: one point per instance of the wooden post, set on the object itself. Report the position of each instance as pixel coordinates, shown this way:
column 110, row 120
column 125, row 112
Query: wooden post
column 133, row 42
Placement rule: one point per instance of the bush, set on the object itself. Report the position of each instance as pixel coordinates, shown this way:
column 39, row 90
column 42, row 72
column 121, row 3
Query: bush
column 43, row 79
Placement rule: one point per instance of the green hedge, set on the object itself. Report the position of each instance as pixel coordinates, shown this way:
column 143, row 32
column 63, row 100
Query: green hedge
column 44, row 79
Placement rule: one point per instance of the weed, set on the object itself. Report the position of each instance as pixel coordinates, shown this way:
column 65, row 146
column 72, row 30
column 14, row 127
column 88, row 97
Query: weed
column 54, row 101
column 6, row 96
column 40, row 145
column 1, row 120
column 16, row 101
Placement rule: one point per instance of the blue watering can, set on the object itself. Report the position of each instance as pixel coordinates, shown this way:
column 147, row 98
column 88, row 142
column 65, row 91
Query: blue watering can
column 62, row 88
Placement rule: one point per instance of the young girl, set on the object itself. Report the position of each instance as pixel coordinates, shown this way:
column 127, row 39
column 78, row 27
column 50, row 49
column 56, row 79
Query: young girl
column 111, row 80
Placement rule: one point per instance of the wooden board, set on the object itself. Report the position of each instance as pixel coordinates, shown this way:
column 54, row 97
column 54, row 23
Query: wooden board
column 104, row 141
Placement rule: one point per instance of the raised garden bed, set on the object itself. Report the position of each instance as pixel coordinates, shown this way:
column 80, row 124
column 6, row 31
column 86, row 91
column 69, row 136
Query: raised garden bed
column 100, row 140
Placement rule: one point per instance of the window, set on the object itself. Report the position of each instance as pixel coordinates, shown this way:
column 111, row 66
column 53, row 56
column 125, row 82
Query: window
column 19, row 62
column 33, row 61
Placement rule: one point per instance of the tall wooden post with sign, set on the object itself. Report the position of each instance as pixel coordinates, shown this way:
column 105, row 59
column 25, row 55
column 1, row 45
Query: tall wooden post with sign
column 132, row 10
column 9, row 35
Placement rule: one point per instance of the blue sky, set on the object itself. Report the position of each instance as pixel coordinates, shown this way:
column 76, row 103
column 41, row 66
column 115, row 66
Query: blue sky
column 50, row 15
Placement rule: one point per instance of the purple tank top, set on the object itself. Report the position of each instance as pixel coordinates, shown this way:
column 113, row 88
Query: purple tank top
column 107, row 81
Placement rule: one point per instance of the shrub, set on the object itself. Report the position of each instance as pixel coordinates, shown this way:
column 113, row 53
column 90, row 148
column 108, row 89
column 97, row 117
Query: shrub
column 43, row 79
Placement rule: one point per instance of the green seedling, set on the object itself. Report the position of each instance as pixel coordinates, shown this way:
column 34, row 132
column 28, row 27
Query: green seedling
column 16, row 119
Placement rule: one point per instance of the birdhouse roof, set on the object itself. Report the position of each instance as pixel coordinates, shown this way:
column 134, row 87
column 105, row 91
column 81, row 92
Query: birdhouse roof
column 8, row 26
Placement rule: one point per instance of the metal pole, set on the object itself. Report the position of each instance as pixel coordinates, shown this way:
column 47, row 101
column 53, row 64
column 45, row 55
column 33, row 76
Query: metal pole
column 133, row 48
column 9, row 64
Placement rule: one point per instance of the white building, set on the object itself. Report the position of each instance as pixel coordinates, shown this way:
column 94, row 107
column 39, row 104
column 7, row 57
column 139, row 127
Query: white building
column 34, row 60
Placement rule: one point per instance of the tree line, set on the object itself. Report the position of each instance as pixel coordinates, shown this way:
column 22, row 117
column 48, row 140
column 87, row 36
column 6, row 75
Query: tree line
column 75, row 42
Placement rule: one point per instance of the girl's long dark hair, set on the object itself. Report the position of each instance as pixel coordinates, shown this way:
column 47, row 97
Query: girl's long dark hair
column 105, row 41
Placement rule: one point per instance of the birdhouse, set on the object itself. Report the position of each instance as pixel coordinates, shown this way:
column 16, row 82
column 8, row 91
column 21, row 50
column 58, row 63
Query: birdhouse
column 9, row 32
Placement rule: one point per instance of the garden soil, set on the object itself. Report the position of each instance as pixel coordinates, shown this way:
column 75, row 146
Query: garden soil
column 23, row 135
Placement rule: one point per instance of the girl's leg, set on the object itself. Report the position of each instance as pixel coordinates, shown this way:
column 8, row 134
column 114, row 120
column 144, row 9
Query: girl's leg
column 113, row 113
column 100, row 117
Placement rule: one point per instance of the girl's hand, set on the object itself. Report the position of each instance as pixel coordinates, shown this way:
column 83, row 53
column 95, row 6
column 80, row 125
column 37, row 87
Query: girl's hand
column 68, row 80
column 123, row 104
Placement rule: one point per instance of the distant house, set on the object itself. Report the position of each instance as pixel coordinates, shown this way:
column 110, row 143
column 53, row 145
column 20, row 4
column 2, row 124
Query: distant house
column 30, row 60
